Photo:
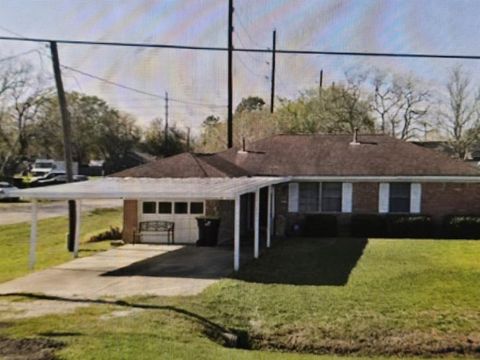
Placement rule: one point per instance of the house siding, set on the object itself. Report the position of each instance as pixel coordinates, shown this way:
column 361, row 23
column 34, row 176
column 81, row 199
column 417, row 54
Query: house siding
column 130, row 219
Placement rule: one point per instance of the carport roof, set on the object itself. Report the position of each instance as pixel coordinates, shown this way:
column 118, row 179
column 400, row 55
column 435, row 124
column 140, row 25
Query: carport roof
column 150, row 188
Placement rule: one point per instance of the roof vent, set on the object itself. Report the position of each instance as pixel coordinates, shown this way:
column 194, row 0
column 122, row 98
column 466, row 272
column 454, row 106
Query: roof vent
column 355, row 137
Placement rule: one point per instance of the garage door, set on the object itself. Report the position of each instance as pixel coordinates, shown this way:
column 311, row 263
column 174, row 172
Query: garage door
column 182, row 213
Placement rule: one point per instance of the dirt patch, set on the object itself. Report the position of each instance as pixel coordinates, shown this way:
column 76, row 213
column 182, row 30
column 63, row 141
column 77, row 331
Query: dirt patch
column 36, row 308
column 402, row 344
column 120, row 313
column 29, row 348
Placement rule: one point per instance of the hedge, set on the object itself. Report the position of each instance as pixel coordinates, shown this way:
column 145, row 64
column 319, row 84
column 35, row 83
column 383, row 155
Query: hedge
column 462, row 227
column 320, row 225
column 391, row 225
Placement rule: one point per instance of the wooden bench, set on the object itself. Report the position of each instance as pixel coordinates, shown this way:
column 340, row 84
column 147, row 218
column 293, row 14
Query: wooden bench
column 155, row 227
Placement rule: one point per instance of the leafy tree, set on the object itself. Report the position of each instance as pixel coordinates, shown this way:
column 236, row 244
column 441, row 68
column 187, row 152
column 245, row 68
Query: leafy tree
column 98, row 130
column 155, row 143
column 251, row 103
column 337, row 109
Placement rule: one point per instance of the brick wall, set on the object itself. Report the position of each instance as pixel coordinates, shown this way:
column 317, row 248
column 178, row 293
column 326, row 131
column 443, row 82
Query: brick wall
column 365, row 198
column 130, row 218
column 440, row 199
column 224, row 209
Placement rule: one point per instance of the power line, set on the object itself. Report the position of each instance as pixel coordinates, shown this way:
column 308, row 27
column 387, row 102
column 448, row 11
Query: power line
column 242, row 25
column 239, row 58
column 11, row 57
column 143, row 92
column 262, row 61
column 254, row 50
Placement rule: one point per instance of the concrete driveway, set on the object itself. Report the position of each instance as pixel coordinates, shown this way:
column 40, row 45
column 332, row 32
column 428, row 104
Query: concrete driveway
column 161, row 270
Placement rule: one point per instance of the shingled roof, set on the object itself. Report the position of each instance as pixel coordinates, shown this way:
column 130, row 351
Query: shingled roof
column 311, row 155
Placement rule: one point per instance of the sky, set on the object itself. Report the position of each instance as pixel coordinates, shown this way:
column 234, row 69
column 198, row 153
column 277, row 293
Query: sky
column 196, row 81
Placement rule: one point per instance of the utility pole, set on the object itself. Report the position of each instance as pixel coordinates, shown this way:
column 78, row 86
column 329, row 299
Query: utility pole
column 272, row 91
column 166, row 122
column 67, row 142
column 320, row 82
column 230, row 79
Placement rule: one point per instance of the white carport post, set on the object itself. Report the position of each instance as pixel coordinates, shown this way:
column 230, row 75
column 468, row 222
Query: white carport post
column 236, row 235
column 269, row 216
column 33, row 235
column 78, row 213
column 256, row 243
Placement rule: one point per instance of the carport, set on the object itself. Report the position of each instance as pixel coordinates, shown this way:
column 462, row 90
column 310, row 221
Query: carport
column 161, row 188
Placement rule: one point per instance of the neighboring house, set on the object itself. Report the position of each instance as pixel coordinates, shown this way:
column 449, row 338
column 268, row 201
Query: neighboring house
column 326, row 174
column 472, row 155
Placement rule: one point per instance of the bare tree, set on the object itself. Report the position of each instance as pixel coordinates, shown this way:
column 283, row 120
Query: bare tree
column 460, row 115
column 400, row 103
column 22, row 92
column 413, row 108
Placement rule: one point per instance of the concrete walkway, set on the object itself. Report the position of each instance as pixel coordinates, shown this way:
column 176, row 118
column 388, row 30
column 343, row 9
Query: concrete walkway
column 130, row 270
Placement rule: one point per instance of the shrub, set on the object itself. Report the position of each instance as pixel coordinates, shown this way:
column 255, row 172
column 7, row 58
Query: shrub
column 114, row 233
column 320, row 225
column 365, row 225
column 391, row 225
column 409, row 226
column 462, row 227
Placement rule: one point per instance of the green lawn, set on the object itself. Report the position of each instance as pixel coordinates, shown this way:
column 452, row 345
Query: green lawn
column 51, row 245
column 347, row 297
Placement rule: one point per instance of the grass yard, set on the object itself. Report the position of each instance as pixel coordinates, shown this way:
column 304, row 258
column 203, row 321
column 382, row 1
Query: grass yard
column 51, row 243
column 384, row 298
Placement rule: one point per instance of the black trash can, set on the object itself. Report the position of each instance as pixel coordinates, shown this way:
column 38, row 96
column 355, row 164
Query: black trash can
column 208, row 231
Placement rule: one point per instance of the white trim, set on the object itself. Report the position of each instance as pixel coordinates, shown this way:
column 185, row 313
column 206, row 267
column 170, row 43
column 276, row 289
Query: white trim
column 383, row 198
column 293, row 197
column 415, row 198
column 460, row 179
column 78, row 213
column 256, row 224
column 347, row 191
column 236, row 236
column 269, row 215
column 153, row 188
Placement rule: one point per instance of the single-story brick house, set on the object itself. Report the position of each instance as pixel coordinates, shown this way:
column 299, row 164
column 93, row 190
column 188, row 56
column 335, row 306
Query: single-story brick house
column 328, row 174
column 269, row 186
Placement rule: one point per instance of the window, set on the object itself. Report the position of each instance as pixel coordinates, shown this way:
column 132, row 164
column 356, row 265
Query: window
column 308, row 197
column 196, row 208
column 181, row 208
column 164, row 207
column 149, row 207
column 399, row 198
column 332, row 196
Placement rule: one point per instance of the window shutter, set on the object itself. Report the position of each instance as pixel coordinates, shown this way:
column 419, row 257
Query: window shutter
column 347, row 197
column 319, row 197
column 383, row 198
column 293, row 197
column 415, row 198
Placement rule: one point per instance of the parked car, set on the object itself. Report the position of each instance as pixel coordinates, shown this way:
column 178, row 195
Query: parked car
column 5, row 190
column 56, row 177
